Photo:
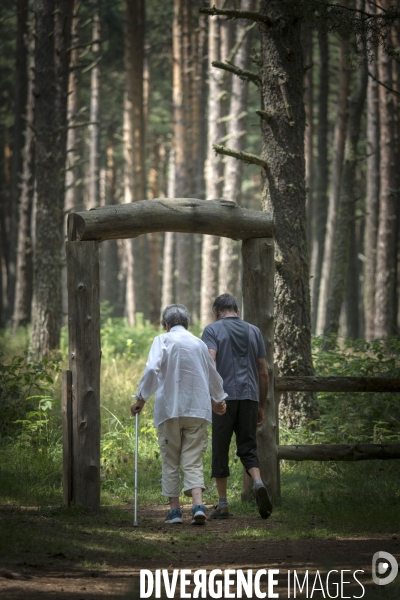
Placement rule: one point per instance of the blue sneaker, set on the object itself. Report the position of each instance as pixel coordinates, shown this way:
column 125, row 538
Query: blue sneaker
column 174, row 516
column 198, row 514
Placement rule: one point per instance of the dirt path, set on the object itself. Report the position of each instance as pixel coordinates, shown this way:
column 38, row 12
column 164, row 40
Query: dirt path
column 211, row 547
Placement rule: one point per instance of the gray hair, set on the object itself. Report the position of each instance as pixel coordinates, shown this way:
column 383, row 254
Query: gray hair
column 175, row 314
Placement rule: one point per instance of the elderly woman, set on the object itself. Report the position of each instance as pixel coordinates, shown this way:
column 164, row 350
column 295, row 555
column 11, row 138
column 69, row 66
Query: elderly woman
column 183, row 375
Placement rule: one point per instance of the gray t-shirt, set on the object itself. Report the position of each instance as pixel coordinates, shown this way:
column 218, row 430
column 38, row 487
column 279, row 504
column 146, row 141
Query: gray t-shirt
column 238, row 345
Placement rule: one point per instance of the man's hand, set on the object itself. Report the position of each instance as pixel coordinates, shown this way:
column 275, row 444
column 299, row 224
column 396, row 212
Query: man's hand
column 260, row 417
column 218, row 407
column 137, row 407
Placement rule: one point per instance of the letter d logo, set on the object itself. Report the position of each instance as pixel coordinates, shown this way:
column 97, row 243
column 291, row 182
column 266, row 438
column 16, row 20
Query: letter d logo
column 383, row 567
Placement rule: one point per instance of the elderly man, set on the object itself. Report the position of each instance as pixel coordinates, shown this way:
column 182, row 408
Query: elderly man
column 181, row 372
column 238, row 350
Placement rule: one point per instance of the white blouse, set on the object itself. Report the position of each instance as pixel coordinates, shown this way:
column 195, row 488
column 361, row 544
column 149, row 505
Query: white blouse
column 182, row 373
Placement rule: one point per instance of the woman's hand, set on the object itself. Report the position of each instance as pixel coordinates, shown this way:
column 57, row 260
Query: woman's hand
column 137, row 407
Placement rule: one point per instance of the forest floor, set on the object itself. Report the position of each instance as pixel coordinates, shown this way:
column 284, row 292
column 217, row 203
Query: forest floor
column 51, row 554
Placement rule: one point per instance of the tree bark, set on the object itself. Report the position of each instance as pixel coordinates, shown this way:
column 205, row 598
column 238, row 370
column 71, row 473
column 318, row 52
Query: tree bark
column 281, row 73
column 346, row 208
column 386, row 241
column 372, row 198
column 214, row 172
column 24, row 272
column 53, row 39
column 94, row 127
column 20, row 102
column 229, row 262
column 321, row 179
column 154, row 241
column 336, row 177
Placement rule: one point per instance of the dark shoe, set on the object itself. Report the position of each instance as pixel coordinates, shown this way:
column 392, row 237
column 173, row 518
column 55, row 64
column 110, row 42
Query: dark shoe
column 198, row 514
column 263, row 501
column 220, row 513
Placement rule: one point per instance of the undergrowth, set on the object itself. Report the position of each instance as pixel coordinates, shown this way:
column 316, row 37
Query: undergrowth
column 31, row 452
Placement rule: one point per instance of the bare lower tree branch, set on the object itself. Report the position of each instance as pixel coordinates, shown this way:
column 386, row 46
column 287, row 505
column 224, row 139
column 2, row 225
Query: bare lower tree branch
column 241, row 73
column 236, row 14
column 383, row 84
column 244, row 156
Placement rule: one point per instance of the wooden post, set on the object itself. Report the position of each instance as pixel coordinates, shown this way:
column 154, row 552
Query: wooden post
column 258, row 306
column 66, row 412
column 84, row 361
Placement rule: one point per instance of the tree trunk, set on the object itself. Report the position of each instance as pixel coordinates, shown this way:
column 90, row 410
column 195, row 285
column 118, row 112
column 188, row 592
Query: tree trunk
column 307, row 43
column 167, row 290
column 351, row 292
column 281, row 73
column 199, row 143
column 229, row 261
column 321, row 183
column 336, row 176
column 134, row 147
column 386, row 262
column 182, row 129
column 94, row 127
column 214, row 172
column 24, row 272
column 154, row 241
column 21, row 90
column 53, row 39
column 372, row 199
column 109, row 250
column 346, row 209
column 73, row 175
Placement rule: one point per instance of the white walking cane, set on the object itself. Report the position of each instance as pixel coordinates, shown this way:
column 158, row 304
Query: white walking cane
column 135, row 523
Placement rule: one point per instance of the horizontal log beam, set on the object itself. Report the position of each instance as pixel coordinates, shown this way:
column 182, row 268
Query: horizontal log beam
column 188, row 215
column 349, row 452
column 337, row 384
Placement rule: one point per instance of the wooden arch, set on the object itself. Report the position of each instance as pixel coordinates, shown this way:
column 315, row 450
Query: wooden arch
column 81, row 384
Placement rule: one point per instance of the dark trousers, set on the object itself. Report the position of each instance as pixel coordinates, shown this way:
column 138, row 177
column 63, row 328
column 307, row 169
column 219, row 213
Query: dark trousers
column 241, row 418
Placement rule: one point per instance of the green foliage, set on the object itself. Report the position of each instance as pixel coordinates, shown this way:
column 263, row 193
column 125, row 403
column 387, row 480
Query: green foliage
column 353, row 417
column 25, row 400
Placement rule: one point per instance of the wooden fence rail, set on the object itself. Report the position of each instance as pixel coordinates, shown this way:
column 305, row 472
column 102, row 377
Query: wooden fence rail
column 337, row 384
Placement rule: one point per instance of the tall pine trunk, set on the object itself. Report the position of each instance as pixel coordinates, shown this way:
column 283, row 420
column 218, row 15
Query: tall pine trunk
column 94, row 127
column 386, row 262
column 308, row 47
column 24, row 271
column 214, row 172
column 53, row 40
column 229, row 262
column 336, row 177
column 281, row 72
column 346, row 209
column 21, row 89
column 372, row 199
column 134, row 148
column 321, row 178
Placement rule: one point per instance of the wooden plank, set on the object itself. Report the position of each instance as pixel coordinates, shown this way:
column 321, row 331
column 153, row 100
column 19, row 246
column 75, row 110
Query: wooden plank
column 66, row 415
column 258, row 307
column 337, row 384
column 348, row 452
column 84, row 361
column 188, row 215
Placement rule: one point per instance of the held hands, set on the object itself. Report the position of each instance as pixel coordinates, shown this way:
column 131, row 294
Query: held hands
column 218, row 407
column 137, row 407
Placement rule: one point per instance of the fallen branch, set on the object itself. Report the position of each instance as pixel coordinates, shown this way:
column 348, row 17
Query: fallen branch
column 244, row 156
